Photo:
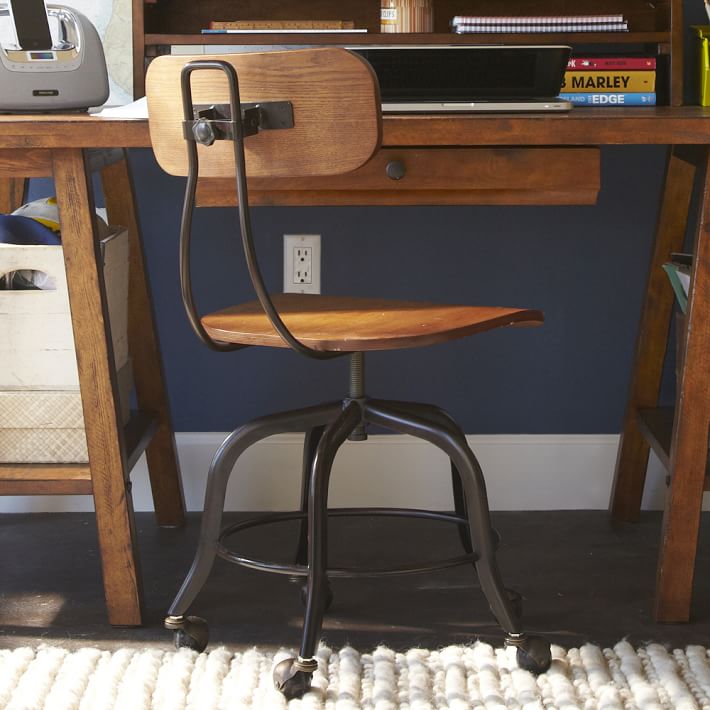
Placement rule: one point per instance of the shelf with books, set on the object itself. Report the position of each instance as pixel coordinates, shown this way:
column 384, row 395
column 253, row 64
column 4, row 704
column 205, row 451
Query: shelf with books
column 291, row 38
column 656, row 27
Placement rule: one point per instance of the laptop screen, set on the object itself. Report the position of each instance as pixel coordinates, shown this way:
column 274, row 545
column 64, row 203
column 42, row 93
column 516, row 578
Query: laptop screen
column 466, row 73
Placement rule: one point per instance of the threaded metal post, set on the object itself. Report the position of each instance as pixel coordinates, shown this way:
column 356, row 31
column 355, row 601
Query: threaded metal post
column 357, row 375
column 357, row 390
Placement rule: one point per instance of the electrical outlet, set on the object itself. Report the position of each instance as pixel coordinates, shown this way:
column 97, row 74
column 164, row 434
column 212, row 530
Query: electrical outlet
column 303, row 266
column 301, row 263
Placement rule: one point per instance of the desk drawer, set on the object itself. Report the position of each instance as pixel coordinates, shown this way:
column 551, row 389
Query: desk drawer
column 411, row 176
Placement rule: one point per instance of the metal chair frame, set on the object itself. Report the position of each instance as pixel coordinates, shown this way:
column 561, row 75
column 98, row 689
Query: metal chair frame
column 326, row 427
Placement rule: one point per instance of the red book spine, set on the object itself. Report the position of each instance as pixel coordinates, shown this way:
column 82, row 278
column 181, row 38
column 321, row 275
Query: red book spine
column 627, row 63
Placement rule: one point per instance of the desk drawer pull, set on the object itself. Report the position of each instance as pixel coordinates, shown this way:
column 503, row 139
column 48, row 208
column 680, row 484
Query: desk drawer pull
column 395, row 170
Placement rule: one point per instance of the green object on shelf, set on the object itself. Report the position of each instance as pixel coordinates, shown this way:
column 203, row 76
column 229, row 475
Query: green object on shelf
column 679, row 276
column 703, row 33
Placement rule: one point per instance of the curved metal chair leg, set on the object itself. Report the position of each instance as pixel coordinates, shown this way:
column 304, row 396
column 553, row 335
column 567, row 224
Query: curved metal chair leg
column 220, row 470
column 292, row 676
column 310, row 443
column 533, row 653
column 460, row 508
column 436, row 414
column 430, row 412
column 447, row 438
column 330, row 442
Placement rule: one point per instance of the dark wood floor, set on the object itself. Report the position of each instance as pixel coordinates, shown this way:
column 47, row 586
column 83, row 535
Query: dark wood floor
column 581, row 579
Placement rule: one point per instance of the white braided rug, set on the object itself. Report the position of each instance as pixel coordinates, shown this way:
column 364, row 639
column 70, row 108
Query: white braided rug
column 456, row 678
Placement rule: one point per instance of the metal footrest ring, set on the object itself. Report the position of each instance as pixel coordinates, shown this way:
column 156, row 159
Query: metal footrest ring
column 302, row 570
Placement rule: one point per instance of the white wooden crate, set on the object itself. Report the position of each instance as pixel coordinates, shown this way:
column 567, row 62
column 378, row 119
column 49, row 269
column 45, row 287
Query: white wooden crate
column 36, row 339
column 47, row 426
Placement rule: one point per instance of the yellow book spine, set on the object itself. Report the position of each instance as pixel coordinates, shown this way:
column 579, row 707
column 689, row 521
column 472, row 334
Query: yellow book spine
column 616, row 81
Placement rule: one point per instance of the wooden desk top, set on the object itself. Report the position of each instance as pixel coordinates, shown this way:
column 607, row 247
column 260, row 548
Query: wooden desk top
column 616, row 126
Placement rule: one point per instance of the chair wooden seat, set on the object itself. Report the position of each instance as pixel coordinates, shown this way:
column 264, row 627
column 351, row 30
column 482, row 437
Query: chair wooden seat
column 347, row 324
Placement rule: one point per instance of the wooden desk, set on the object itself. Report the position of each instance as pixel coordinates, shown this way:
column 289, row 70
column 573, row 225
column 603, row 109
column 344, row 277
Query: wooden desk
column 40, row 146
column 58, row 143
column 684, row 447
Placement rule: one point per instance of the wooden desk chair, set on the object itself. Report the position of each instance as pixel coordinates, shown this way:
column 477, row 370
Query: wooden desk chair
column 318, row 113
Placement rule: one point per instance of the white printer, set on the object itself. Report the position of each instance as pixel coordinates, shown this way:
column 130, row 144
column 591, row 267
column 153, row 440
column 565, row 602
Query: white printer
column 61, row 71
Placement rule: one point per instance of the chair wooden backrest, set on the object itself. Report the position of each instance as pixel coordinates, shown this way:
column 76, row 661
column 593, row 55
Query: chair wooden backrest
column 336, row 110
column 206, row 116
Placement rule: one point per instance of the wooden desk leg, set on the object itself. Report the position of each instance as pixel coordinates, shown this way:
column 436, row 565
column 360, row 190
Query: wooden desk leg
column 151, row 392
column 12, row 194
column 632, row 458
column 689, row 445
column 97, row 380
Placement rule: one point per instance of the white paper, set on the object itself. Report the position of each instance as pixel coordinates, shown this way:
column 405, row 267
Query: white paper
column 136, row 109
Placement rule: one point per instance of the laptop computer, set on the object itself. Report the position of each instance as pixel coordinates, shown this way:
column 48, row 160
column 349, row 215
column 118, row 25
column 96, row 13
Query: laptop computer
column 457, row 78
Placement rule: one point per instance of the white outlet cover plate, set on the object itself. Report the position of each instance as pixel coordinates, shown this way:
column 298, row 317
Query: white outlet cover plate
column 292, row 242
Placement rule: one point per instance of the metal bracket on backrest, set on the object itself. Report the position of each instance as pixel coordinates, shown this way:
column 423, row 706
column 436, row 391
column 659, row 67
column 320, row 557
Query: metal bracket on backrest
column 213, row 122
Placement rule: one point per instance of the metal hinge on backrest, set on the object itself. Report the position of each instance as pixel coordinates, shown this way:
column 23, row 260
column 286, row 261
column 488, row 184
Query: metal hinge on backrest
column 213, row 122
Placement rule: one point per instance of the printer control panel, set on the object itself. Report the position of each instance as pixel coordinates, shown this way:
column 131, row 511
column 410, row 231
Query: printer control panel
column 45, row 60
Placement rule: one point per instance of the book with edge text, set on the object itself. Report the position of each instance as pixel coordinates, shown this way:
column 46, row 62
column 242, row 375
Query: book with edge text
column 610, row 99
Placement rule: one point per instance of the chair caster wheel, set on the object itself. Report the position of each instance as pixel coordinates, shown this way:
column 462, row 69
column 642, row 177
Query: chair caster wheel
column 290, row 680
column 328, row 596
column 533, row 653
column 192, row 632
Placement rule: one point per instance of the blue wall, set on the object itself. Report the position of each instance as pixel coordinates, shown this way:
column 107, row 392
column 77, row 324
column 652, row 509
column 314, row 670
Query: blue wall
column 584, row 266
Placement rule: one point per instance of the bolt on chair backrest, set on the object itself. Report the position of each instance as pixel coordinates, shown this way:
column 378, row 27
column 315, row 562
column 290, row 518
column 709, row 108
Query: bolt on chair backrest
column 336, row 112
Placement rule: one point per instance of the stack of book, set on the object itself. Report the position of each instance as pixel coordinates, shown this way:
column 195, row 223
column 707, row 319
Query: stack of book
column 610, row 81
column 462, row 24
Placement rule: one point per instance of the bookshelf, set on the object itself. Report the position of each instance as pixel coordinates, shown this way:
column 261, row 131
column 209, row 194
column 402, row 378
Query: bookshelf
column 654, row 28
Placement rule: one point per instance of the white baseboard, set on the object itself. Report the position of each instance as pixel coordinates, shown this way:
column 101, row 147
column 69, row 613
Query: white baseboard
column 523, row 472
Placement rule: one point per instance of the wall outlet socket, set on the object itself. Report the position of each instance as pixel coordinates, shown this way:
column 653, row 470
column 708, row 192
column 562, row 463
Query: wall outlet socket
column 301, row 263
